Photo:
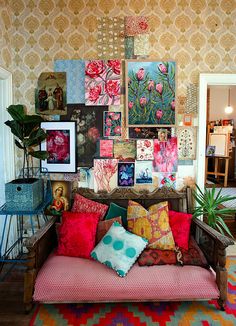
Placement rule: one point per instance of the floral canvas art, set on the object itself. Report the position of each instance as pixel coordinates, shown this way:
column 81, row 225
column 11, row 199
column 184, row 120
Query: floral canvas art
column 112, row 124
column 88, row 130
column 135, row 25
column 165, row 155
column 147, row 132
column 125, row 174
column 105, row 174
column 145, row 149
column 151, row 93
column 167, row 180
column 102, row 82
column 125, row 150
column 143, row 172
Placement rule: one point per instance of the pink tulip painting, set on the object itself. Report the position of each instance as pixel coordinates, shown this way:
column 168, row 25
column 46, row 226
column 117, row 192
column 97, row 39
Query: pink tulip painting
column 102, row 82
column 165, row 155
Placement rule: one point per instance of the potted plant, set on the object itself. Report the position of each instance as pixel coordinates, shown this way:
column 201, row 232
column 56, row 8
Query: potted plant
column 210, row 206
column 27, row 192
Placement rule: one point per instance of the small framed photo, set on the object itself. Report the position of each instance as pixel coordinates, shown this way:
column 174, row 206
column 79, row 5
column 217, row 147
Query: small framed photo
column 61, row 146
column 210, row 151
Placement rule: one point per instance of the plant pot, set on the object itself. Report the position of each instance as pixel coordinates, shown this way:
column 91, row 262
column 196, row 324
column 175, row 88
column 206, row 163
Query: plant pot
column 24, row 194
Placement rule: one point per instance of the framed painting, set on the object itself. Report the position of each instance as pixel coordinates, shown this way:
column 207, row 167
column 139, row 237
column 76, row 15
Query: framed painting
column 112, row 124
column 61, row 191
column 210, row 151
column 150, row 99
column 88, row 131
column 105, row 174
column 50, row 94
column 102, row 82
column 143, row 172
column 61, row 146
column 125, row 174
column 220, row 141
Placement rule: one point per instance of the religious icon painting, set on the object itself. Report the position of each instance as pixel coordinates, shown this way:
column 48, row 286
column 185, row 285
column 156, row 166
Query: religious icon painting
column 50, row 94
column 186, row 142
column 61, row 191
column 126, row 174
column 112, row 124
column 145, row 149
column 102, row 82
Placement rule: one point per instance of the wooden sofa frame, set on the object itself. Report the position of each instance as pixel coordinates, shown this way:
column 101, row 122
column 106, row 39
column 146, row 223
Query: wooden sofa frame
column 212, row 243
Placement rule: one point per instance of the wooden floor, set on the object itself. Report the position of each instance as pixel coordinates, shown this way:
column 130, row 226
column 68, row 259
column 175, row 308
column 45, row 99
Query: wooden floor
column 11, row 295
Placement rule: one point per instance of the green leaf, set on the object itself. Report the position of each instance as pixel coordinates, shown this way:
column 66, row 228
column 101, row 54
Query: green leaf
column 16, row 129
column 18, row 144
column 42, row 155
column 17, row 112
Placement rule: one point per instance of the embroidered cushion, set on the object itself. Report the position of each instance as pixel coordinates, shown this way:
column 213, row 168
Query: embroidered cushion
column 193, row 256
column 116, row 210
column 104, row 226
column 85, row 205
column 151, row 257
column 180, row 226
column 76, row 234
column 152, row 224
column 119, row 249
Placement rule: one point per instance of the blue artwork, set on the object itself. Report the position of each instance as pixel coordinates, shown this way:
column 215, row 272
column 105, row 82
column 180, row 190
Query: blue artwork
column 143, row 172
column 125, row 174
column 151, row 93
column 75, row 79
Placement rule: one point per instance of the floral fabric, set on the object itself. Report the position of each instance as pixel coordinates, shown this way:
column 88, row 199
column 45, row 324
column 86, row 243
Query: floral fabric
column 152, row 224
column 85, row 205
column 135, row 25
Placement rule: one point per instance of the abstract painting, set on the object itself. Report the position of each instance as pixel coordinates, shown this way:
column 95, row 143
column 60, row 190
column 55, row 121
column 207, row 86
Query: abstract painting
column 105, row 147
column 143, row 172
column 105, row 174
column 85, row 179
column 102, row 82
column 125, row 174
column 151, row 93
column 61, row 146
column 125, row 150
column 74, row 79
column 112, row 124
column 145, row 149
column 89, row 130
column 186, row 142
column 50, row 95
column 165, row 155
column 167, row 180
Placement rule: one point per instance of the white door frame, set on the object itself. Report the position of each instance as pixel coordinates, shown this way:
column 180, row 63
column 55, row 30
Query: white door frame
column 204, row 81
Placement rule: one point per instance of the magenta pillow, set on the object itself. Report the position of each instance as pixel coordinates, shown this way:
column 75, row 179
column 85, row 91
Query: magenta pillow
column 85, row 205
column 76, row 234
column 180, row 225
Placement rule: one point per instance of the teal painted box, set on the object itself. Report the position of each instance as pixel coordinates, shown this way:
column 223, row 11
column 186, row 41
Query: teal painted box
column 25, row 195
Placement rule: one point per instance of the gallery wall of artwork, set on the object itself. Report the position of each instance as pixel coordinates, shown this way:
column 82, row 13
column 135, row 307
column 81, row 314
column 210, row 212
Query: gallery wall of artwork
column 43, row 36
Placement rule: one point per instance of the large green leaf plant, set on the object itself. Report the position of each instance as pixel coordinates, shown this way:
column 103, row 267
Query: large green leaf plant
column 28, row 133
column 211, row 206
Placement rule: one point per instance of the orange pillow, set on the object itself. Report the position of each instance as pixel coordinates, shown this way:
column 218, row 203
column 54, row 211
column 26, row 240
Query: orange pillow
column 152, row 224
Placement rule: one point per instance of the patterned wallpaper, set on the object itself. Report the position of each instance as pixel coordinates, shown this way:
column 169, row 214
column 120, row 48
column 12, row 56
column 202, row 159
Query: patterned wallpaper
column 198, row 34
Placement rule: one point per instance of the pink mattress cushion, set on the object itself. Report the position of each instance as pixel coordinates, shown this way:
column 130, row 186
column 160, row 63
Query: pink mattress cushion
column 70, row 279
column 76, row 234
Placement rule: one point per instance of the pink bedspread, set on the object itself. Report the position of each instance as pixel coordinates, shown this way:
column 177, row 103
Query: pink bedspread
column 69, row 279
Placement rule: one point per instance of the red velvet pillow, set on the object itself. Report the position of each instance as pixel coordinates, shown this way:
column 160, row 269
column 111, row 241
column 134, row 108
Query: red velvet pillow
column 77, row 234
column 180, row 225
column 85, row 205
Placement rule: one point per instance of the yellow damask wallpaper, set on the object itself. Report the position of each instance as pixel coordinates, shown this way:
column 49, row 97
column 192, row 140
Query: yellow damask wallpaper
column 198, row 34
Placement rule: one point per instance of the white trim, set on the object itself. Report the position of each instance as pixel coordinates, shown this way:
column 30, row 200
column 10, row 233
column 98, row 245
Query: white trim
column 5, row 132
column 204, row 81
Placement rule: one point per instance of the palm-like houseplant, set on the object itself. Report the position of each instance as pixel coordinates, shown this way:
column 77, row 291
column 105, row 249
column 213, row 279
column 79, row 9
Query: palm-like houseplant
column 28, row 133
column 209, row 205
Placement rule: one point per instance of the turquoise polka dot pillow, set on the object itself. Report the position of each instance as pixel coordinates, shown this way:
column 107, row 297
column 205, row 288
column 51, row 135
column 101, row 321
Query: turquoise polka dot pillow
column 119, row 249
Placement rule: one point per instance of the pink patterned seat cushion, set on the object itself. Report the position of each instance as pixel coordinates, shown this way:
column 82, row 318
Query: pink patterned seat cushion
column 72, row 279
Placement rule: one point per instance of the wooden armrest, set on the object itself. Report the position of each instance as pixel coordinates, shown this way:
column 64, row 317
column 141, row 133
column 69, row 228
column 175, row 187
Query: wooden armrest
column 35, row 238
column 222, row 240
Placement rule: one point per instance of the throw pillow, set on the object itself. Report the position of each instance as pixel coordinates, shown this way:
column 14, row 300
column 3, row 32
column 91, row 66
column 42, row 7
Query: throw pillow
column 104, row 226
column 85, row 205
column 116, row 210
column 119, row 249
column 193, row 256
column 77, row 234
column 151, row 257
column 180, row 224
column 152, row 224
